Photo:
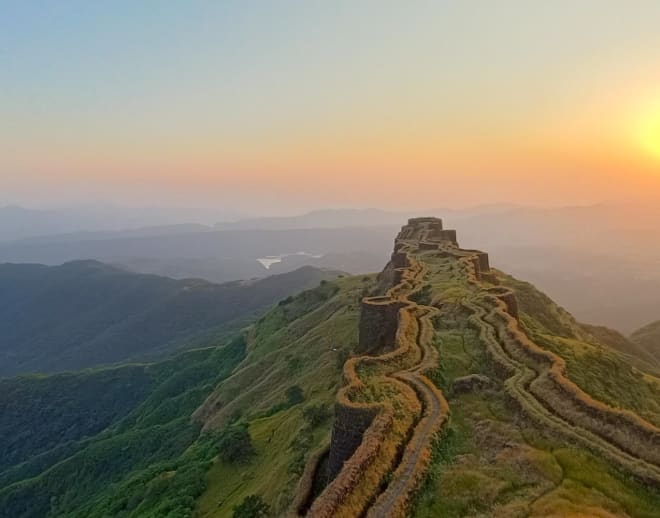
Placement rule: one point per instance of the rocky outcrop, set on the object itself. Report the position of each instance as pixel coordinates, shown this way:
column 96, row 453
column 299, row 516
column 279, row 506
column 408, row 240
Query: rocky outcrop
column 471, row 383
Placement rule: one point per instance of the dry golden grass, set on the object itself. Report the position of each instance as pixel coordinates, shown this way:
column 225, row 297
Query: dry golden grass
column 372, row 383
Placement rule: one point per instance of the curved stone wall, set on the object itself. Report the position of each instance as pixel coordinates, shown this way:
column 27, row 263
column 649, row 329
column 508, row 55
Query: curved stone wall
column 377, row 457
column 401, row 331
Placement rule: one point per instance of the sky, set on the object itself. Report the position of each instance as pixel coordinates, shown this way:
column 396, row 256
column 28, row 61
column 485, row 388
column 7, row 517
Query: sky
column 281, row 106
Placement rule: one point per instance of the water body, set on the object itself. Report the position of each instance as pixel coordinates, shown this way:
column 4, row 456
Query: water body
column 270, row 260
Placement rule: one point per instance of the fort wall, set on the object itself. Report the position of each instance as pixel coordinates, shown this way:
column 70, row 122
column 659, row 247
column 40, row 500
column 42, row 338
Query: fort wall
column 392, row 331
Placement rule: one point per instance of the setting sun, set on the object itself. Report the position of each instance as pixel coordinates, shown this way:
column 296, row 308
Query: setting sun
column 649, row 131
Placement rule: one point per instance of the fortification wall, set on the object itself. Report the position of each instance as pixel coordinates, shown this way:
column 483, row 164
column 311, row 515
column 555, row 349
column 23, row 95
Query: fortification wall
column 350, row 424
column 443, row 235
column 366, row 430
column 370, row 475
column 509, row 298
column 378, row 324
column 536, row 378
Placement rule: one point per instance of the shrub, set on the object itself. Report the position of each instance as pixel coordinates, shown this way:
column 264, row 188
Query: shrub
column 294, row 395
column 314, row 415
column 294, row 363
column 252, row 506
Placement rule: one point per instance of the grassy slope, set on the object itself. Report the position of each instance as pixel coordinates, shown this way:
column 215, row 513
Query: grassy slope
column 290, row 345
column 597, row 369
column 617, row 341
column 149, row 458
column 490, row 461
column 648, row 338
column 84, row 472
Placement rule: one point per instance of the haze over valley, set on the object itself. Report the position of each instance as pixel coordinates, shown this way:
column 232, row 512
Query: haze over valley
column 579, row 255
column 348, row 259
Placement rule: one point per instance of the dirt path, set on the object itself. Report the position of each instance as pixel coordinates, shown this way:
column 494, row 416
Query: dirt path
column 392, row 502
column 407, row 474
column 518, row 384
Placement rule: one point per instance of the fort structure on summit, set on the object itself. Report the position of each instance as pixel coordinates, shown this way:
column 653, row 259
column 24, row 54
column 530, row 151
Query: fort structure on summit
column 389, row 411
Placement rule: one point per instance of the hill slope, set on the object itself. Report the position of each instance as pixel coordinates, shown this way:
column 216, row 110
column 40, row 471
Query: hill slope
column 648, row 339
column 64, row 452
column 87, row 313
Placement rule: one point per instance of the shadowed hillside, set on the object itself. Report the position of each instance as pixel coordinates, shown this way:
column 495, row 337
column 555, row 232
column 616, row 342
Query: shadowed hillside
column 87, row 313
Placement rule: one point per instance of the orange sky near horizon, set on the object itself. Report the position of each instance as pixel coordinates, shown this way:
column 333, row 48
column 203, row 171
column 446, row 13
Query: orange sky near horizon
column 450, row 105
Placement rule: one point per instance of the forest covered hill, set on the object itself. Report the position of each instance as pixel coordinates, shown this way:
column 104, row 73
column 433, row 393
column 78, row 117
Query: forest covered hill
column 121, row 441
column 86, row 313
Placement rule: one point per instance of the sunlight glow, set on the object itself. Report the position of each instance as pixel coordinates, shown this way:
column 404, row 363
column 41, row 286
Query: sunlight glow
column 649, row 130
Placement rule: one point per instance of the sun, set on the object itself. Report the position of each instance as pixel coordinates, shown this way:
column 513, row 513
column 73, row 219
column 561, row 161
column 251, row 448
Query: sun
column 649, row 131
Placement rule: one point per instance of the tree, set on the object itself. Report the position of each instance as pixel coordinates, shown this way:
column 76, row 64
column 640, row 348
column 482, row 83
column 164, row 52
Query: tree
column 294, row 395
column 252, row 506
column 235, row 444
column 314, row 415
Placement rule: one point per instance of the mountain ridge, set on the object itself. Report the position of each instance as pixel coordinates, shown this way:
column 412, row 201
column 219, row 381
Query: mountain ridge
column 534, row 377
column 86, row 313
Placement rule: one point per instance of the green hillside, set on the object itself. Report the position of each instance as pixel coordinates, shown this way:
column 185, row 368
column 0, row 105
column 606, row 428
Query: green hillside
column 86, row 313
column 617, row 341
column 648, row 339
column 492, row 461
column 153, row 436
column 121, row 441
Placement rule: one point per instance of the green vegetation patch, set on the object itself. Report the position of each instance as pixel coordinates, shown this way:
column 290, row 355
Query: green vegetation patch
column 106, row 475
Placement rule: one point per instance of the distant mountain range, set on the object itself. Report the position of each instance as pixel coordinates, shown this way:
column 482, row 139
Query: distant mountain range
column 218, row 256
column 86, row 313
column 20, row 223
column 85, row 223
column 582, row 256
column 336, row 218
